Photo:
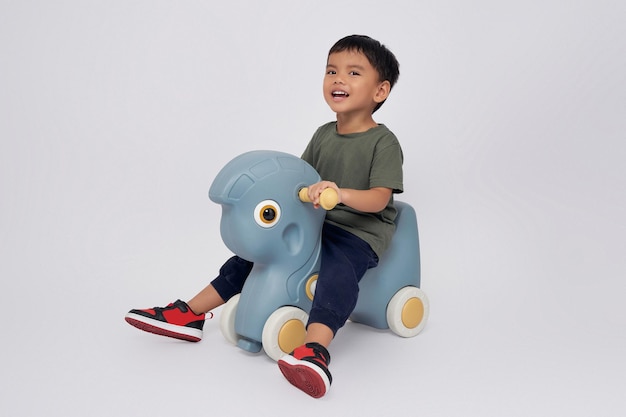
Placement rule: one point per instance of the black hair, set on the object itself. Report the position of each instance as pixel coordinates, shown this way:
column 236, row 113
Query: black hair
column 381, row 58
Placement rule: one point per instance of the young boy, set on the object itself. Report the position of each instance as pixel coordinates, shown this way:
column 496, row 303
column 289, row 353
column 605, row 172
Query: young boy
column 362, row 161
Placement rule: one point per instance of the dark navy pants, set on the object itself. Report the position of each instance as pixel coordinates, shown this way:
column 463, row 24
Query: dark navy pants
column 344, row 260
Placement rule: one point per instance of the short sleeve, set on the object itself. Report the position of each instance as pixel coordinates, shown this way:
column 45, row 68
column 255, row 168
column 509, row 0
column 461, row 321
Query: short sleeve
column 386, row 170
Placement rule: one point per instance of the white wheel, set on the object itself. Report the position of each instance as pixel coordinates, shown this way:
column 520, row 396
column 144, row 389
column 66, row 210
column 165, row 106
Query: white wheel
column 407, row 312
column 227, row 319
column 284, row 331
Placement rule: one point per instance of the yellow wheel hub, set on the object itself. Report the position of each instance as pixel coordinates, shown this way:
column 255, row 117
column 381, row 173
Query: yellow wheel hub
column 291, row 335
column 412, row 313
column 309, row 286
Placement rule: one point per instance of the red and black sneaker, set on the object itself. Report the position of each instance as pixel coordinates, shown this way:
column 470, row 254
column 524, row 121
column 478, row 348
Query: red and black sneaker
column 306, row 368
column 176, row 320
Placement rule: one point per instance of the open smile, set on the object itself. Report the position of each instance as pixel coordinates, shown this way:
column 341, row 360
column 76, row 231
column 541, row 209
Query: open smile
column 339, row 94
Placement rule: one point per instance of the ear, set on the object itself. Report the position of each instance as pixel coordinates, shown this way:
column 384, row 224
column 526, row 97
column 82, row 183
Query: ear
column 382, row 91
column 293, row 237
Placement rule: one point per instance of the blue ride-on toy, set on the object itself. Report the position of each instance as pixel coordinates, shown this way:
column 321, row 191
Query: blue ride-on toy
column 265, row 221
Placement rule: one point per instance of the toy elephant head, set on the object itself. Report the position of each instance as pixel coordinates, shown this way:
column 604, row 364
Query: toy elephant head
column 263, row 220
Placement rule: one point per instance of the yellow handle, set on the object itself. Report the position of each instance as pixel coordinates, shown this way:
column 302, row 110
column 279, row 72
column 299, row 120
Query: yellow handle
column 328, row 198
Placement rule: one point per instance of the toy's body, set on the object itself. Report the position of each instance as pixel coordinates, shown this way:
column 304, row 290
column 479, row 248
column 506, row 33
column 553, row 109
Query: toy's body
column 264, row 221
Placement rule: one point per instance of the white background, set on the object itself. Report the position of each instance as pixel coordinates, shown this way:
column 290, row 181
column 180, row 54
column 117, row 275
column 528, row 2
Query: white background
column 115, row 117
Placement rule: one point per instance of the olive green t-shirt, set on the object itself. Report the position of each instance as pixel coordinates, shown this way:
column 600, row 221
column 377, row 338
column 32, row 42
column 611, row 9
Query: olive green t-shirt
column 359, row 161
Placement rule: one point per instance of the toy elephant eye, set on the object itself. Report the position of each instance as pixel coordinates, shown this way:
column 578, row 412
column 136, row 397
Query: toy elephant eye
column 267, row 213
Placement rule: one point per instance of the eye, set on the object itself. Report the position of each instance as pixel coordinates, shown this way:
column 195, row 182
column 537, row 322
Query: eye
column 354, row 73
column 331, row 72
column 267, row 213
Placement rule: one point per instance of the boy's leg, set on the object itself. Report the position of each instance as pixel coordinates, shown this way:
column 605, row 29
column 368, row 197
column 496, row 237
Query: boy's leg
column 229, row 282
column 206, row 300
column 345, row 259
column 319, row 333
column 185, row 321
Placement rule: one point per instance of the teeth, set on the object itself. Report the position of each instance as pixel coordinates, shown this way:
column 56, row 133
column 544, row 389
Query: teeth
column 339, row 93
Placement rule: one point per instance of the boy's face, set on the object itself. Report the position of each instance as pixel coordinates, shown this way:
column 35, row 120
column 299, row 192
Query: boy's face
column 352, row 84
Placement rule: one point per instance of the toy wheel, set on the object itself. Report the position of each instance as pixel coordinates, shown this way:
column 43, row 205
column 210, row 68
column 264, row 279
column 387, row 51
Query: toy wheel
column 227, row 319
column 408, row 311
column 284, row 331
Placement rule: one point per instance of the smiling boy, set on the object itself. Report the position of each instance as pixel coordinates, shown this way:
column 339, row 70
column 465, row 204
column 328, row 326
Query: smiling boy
column 362, row 161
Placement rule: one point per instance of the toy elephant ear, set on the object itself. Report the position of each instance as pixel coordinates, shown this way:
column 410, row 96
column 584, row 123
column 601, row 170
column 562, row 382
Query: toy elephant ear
column 293, row 238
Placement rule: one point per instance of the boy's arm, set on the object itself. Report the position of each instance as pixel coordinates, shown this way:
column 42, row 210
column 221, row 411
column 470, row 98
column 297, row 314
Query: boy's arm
column 368, row 201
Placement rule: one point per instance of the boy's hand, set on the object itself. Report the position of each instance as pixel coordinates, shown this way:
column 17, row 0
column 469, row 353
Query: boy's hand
column 315, row 190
